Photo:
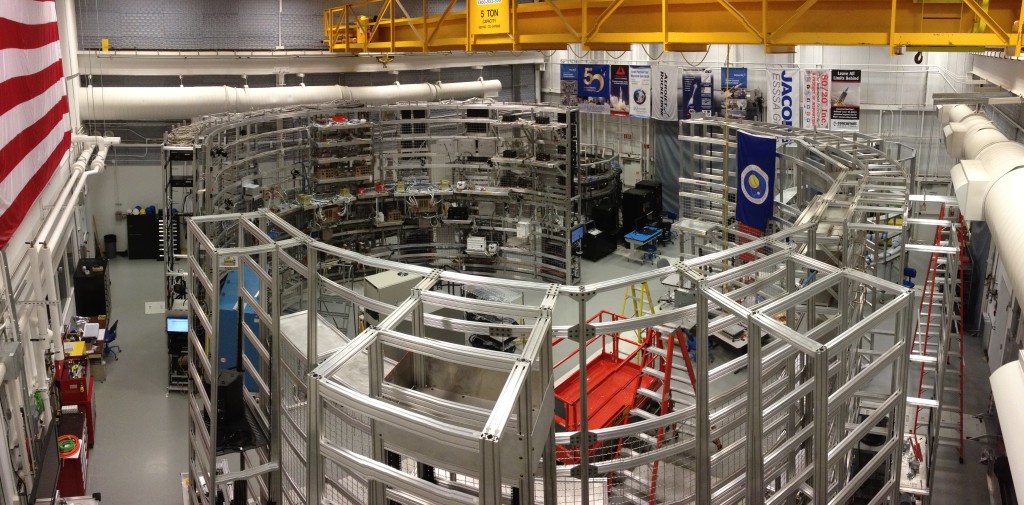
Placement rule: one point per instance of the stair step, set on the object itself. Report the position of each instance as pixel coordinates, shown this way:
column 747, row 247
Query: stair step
column 626, row 452
column 635, row 495
column 650, row 440
column 653, row 395
column 688, row 392
column 653, row 372
column 922, row 402
column 633, row 477
column 661, row 352
column 642, row 414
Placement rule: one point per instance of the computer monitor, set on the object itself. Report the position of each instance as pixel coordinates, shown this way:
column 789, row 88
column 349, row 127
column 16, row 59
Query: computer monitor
column 577, row 234
column 177, row 325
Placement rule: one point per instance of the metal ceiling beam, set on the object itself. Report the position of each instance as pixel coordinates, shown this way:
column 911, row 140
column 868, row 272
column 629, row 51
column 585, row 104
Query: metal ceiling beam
column 983, row 14
column 553, row 24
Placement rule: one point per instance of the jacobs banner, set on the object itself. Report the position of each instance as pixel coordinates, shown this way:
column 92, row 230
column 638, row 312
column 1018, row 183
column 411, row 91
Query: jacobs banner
column 619, row 99
column 665, row 84
column 489, row 17
column 784, row 97
column 844, row 114
column 640, row 86
column 816, row 102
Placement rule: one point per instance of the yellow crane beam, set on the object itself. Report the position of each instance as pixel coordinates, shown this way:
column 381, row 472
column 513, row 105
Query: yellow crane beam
column 385, row 26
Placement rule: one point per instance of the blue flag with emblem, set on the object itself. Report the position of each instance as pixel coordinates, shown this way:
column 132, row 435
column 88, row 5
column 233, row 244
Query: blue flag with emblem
column 755, row 162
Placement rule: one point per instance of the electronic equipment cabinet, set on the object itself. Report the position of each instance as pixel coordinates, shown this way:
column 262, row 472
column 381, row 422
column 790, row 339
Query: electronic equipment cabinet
column 92, row 287
column 144, row 236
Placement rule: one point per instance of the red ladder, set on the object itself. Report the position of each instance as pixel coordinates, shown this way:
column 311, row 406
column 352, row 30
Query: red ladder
column 674, row 338
column 928, row 292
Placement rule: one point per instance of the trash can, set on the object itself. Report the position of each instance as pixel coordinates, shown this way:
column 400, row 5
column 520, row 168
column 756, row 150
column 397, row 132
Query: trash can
column 110, row 246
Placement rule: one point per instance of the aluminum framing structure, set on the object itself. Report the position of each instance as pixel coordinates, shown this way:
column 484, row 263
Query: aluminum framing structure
column 371, row 418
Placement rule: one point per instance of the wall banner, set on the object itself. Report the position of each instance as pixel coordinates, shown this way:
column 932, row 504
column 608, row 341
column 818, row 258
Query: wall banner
column 640, row 86
column 692, row 95
column 734, row 82
column 665, row 81
column 570, row 80
column 816, row 102
column 845, row 112
column 620, row 99
column 595, row 88
column 784, row 97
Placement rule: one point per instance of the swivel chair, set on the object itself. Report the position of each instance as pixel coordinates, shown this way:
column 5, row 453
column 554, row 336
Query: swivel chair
column 908, row 277
column 109, row 337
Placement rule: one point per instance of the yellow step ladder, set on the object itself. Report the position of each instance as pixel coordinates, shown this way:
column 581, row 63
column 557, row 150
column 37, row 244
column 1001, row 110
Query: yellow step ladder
column 640, row 297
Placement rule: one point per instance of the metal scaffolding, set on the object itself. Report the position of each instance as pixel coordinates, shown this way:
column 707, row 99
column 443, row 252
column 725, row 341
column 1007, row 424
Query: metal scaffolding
column 403, row 411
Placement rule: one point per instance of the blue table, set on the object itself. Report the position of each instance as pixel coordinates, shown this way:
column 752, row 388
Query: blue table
column 637, row 239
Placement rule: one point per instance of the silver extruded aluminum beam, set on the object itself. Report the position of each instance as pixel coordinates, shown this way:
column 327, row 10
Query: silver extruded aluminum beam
column 445, row 300
column 455, row 353
column 389, row 413
column 374, row 470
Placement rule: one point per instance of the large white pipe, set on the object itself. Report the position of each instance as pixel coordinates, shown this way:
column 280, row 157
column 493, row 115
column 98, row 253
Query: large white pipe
column 42, row 253
column 76, row 170
column 172, row 103
column 993, row 166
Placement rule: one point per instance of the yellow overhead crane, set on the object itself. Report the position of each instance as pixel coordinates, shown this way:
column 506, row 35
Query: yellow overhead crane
column 404, row 26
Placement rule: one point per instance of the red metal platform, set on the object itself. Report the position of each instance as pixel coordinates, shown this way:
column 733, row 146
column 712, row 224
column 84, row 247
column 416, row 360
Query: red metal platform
column 612, row 382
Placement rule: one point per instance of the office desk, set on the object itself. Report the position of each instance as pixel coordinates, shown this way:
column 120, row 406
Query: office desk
column 637, row 239
column 90, row 348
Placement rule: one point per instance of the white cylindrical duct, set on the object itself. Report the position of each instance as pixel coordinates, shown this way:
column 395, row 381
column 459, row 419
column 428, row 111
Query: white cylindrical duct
column 1001, row 158
column 173, row 103
column 1003, row 209
column 979, row 139
column 955, row 114
column 1007, row 389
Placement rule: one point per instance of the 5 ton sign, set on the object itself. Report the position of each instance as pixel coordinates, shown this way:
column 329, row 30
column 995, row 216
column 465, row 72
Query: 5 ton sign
column 489, row 17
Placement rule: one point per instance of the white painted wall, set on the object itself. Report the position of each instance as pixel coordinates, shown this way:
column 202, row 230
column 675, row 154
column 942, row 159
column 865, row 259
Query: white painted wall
column 122, row 186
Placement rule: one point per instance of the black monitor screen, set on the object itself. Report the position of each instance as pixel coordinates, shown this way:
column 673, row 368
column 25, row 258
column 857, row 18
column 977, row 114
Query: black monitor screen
column 577, row 233
column 177, row 325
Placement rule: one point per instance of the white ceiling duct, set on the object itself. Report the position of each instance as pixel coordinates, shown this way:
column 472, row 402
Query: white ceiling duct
column 992, row 181
column 979, row 138
column 970, row 182
column 174, row 103
column 1007, row 390
column 955, row 113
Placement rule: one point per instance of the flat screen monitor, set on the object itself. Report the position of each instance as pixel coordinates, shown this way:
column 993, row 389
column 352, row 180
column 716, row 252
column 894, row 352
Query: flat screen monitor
column 577, row 233
column 177, row 325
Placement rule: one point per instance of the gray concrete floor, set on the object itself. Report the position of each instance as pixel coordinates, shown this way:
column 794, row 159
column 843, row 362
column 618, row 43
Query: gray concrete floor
column 966, row 483
column 141, row 440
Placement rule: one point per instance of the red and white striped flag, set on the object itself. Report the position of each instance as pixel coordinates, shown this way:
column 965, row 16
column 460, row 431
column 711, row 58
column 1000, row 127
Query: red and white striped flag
column 35, row 130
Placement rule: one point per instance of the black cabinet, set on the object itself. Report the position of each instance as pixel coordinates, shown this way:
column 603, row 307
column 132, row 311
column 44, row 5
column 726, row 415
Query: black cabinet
column 92, row 287
column 144, row 237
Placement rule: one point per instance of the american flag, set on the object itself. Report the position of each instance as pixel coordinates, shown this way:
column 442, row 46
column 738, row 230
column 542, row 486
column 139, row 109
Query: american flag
column 35, row 129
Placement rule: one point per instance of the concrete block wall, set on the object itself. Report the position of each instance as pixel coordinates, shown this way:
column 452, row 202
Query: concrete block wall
column 200, row 24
